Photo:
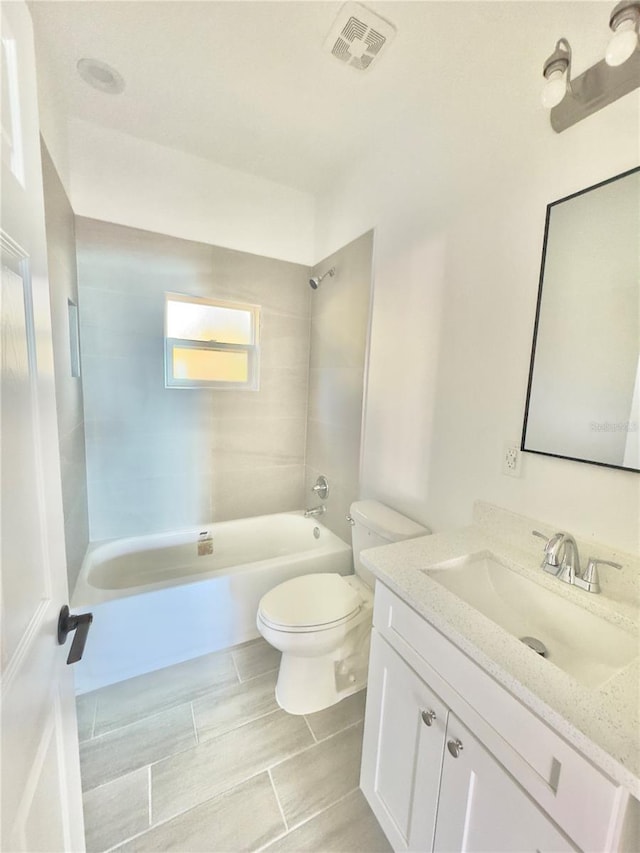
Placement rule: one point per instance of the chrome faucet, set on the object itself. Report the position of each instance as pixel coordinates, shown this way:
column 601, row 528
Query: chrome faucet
column 315, row 512
column 561, row 559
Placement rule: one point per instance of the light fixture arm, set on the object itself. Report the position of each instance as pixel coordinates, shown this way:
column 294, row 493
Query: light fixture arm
column 600, row 85
column 560, row 60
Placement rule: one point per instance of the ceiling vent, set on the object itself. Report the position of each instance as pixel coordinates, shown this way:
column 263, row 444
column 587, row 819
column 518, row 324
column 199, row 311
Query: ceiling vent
column 358, row 36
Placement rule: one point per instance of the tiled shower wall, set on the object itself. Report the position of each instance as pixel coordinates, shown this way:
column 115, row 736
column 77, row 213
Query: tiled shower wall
column 61, row 256
column 339, row 330
column 160, row 459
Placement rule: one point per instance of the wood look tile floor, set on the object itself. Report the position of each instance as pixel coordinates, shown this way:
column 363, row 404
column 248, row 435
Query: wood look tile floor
column 199, row 757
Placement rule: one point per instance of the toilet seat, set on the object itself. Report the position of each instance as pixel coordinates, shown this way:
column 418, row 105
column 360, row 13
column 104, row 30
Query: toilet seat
column 312, row 602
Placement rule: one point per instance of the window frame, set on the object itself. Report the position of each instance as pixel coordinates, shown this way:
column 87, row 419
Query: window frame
column 252, row 350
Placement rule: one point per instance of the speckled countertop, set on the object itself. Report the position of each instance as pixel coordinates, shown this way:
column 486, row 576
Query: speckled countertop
column 603, row 722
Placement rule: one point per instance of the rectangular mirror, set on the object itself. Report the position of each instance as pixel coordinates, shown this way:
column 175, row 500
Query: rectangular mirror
column 583, row 399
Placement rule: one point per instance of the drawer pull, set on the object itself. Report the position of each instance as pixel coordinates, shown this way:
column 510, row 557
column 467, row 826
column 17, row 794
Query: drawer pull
column 455, row 747
column 428, row 717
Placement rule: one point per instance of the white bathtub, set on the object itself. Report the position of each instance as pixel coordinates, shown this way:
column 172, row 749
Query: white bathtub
column 155, row 602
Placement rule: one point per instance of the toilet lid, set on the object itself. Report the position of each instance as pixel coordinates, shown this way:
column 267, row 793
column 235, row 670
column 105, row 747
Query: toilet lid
column 310, row 600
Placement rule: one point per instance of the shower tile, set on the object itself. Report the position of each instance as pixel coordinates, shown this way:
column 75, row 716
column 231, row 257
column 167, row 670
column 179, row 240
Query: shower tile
column 209, row 769
column 116, row 811
column 150, row 739
column 282, row 393
column 252, row 443
column 274, row 284
column 346, row 827
column 284, row 340
column 245, row 818
column 335, row 396
column 220, row 712
column 86, row 711
column 338, row 717
column 334, row 450
column 128, row 701
column 255, row 658
column 243, row 493
column 135, row 507
column 309, row 782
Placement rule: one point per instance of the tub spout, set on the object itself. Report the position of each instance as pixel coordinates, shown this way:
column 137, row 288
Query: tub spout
column 315, row 512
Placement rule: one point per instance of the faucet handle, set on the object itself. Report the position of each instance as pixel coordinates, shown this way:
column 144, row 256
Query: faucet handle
column 590, row 580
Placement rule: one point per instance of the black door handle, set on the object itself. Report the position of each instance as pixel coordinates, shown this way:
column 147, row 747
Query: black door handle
column 80, row 624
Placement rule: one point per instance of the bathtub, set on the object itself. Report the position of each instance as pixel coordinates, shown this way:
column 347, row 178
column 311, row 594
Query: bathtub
column 155, row 602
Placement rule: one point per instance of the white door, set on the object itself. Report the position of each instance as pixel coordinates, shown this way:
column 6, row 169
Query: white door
column 402, row 749
column 41, row 800
column 482, row 809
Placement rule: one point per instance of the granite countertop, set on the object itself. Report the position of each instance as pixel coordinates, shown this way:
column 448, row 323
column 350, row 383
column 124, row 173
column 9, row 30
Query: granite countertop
column 602, row 722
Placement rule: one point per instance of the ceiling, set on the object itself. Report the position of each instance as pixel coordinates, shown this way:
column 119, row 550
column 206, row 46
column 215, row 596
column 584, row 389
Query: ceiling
column 248, row 85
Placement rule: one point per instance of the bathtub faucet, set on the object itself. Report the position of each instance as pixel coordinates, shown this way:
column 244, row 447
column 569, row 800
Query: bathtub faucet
column 315, row 512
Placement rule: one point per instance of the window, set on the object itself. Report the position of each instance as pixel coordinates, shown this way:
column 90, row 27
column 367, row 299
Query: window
column 210, row 343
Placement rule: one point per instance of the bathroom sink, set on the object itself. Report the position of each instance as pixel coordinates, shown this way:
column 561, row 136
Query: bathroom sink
column 588, row 648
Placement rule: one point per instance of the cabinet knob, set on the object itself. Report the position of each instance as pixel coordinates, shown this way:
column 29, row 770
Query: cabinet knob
column 455, row 747
column 428, row 717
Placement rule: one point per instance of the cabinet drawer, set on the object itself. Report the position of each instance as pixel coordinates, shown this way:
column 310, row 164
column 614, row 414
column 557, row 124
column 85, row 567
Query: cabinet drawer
column 582, row 800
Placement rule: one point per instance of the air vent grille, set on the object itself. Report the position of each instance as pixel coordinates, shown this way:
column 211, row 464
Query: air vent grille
column 358, row 36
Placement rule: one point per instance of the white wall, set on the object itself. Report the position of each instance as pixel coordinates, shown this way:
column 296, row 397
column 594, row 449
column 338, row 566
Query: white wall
column 52, row 112
column 456, row 280
column 118, row 178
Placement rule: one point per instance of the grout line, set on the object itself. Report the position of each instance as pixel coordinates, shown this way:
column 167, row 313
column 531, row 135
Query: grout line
column 193, row 720
column 309, row 727
column 235, row 666
column 340, row 731
column 275, row 791
column 302, row 823
column 150, row 810
column 141, row 719
column 93, row 722
column 323, row 809
column 312, row 745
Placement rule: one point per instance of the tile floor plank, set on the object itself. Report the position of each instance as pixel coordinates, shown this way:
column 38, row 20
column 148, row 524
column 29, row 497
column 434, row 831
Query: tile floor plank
column 320, row 776
column 128, row 701
column 346, row 827
column 338, row 717
column 209, row 769
column 218, row 713
column 116, row 811
column 245, row 818
column 151, row 739
column 255, row 658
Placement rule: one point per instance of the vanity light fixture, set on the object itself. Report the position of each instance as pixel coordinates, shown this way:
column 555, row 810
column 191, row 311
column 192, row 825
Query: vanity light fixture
column 614, row 76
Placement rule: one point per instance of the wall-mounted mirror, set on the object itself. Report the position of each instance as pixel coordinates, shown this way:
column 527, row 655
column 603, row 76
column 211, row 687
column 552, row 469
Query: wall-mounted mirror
column 583, row 400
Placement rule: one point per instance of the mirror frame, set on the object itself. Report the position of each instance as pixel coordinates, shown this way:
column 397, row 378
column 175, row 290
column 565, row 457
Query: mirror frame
column 550, row 206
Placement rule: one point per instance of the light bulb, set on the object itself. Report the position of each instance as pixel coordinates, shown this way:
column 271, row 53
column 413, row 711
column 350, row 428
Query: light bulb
column 623, row 43
column 554, row 89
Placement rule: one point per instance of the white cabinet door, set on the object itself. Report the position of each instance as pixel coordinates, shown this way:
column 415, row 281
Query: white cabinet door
column 482, row 809
column 403, row 748
column 41, row 802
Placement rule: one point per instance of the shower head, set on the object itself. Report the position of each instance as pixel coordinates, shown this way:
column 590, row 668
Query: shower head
column 316, row 280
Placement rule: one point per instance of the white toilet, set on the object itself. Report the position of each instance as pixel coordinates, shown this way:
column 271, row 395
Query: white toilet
column 322, row 622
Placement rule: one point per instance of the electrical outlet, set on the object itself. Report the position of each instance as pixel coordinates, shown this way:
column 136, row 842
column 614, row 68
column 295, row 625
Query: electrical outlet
column 511, row 459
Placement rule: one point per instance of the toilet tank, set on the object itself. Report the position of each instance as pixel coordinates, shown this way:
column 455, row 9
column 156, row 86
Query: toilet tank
column 376, row 524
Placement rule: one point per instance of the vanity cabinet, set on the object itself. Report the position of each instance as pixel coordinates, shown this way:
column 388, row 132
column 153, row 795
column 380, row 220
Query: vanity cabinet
column 403, row 749
column 430, row 782
column 457, row 763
